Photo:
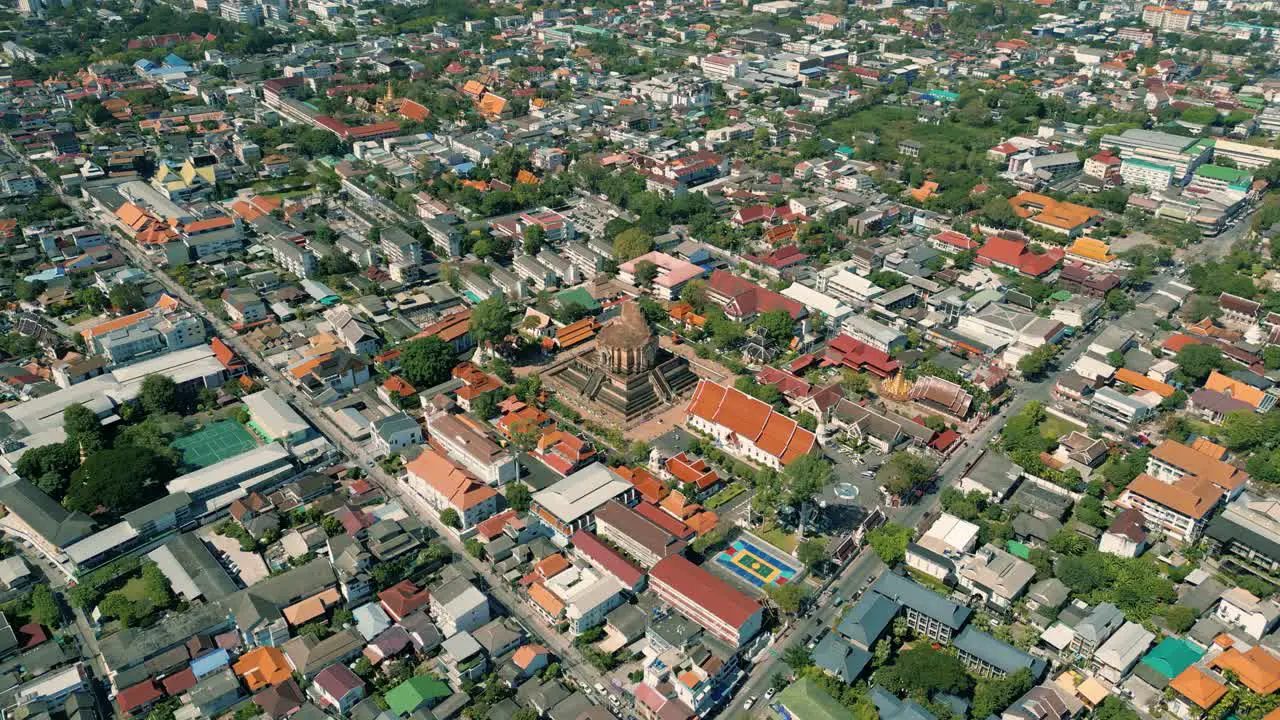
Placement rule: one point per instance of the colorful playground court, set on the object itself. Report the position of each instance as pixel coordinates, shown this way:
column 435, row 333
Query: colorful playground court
column 214, row 443
column 748, row 560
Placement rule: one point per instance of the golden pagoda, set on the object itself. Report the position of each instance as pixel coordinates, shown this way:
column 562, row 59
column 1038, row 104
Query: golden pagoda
column 896, row 387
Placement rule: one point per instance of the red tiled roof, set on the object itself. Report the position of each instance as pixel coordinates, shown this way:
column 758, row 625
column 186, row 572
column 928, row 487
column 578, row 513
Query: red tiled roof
column 138, row 696
column 746, row 298
column 590, row 547
column 712, row 594
column 658, row 517
column 753, row 419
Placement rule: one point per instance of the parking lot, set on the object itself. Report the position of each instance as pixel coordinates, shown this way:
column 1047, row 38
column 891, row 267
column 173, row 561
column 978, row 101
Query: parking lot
column 250, row 568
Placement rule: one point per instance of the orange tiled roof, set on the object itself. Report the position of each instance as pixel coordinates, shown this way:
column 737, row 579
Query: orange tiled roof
column 1142, row 382
column 262, row 667
column 1257, row 669
column 1231, row 387
column 457, row 485
column 304, row 611
column 545, row 600
column 552, row 565
column 114, row 324
column 526, row 655
column 1199, row 687
column 1190, row 496
column 1209, row 467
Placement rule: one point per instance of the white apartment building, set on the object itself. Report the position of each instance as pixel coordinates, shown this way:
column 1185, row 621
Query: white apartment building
column 1144, row 173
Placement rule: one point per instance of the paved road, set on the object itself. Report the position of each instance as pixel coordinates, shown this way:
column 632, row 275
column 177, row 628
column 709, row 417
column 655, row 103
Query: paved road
column 572, row 661
column 867, row 564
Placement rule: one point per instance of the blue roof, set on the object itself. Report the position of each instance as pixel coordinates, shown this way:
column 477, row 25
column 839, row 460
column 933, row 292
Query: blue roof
column 173, row 60
column 891, row 708
column 464, row 168
column 924, row 601
column 997, row 653
column 210, row 663
column 868, row 619
column 835, row 655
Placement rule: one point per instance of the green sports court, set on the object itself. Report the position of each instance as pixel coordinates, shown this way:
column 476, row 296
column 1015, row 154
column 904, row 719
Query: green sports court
column 214, row 443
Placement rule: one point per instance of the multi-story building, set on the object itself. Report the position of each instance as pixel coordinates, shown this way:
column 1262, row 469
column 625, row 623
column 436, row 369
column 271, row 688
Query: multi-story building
column 1216, row 178
column 484, row 458
column 445, row 485
column 927, row 613
column 296, row 260
column 1089, row 634
column 163, row 328
column 1244, row 155
column 1168, row 19
column 997, row 577
column 1116, row 658
column 1145, row 173
column 1183, row 154
column 1246, row 535
column 721, row 67
column 990, row 657
column 876, row 335
column 570, row 505
column 723, row 611
column 1124, row 410
column 640, row 539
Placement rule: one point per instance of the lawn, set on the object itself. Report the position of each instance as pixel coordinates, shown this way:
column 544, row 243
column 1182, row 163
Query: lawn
column 779, row 538
column 1055, row 427
column 136, row 591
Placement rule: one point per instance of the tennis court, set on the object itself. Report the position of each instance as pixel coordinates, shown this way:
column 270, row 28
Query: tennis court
column 214, row 443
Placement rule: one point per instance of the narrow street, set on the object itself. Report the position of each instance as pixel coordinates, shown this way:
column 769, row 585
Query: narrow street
column 571, row 660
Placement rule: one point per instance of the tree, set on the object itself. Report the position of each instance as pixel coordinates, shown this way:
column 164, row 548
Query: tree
column 1244, row 429
column 518, row 496
column 1198, row 360
column 120, row 607
column 50, row 467
column 1115, row 359
column 449, row 517
column 44, row 607
column 903, row 473
column 890, row 542
column 82, row 427
column 854, row 382
column 1180, row 618
column 630, row 244
column 789, row 598
column 119, row 480
column 28, row 290
column 993, row 695
column 997, row 211
column 127, row 298
column 475, row 548
column 525, row 714
column 1033, row 364
column 1115, row 708
column 777, row 325
column 812, row 553
column 485, row 406
column 158, row 394
column 92, row 299
column 805, row 477
column 490, row 321
column 331, row 525
column 426, row 362
column 646, row 273
column 797, row 658
column 534, row 238
column 935, row 423
column 925, row 671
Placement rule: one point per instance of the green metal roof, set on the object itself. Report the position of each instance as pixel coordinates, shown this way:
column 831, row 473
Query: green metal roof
column 1172, row 656
column 577, row 295
column 804, row 699
column 1148, row 164
column 413, row 693
column 1233, row 176
column 1018, row 549
column 1060, row 296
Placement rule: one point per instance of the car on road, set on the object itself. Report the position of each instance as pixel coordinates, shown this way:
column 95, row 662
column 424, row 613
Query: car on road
column 770, row 693
column 750, row 701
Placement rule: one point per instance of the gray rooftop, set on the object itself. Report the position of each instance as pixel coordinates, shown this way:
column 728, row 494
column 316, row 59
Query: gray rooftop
column 926, row 602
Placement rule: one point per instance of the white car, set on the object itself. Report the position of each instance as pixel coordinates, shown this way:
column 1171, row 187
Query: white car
column 750, row 701
column 770, row 693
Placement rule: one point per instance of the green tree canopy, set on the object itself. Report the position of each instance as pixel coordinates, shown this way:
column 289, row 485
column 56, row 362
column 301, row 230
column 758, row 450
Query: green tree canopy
column 1198, row 360
column 924, row 671
column 518, row 496
column 630, row 244
column 890, row 542
column 490, row 320
column 426, row 362
column 158, row 394
column 119, row 480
